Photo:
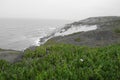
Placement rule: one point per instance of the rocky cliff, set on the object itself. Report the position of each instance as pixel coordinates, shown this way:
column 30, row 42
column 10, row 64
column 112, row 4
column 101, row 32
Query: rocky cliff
column 107, row 32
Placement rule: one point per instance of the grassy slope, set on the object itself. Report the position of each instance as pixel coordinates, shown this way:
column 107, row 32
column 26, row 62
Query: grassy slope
column 65, row 62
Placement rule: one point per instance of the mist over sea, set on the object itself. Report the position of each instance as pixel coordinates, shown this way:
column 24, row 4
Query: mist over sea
column 19, row 34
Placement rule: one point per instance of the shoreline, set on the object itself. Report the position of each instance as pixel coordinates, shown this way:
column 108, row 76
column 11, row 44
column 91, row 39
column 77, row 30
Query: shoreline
column 104, row 34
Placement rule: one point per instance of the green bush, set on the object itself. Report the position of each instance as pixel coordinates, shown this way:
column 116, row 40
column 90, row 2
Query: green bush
column 65, row 62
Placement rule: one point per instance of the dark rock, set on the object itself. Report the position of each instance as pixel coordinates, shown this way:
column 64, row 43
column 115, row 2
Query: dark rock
column 11, row 55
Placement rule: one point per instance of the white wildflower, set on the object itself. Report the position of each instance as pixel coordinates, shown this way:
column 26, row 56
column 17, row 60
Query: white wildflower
column 81, row 60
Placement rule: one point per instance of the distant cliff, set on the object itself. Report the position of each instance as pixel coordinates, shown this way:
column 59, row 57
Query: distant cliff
column 107, row 32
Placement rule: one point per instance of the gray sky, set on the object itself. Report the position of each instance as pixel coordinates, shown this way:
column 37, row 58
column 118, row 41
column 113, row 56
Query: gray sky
column 59, row 9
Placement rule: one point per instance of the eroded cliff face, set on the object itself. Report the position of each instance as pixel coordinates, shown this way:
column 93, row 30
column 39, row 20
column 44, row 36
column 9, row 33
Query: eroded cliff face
column 107, row 32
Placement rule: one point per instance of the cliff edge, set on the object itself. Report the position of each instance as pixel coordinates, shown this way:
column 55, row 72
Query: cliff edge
column 107, row 32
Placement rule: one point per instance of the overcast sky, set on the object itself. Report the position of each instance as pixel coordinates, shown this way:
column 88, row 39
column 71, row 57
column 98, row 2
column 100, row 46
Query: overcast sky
column 59, row 9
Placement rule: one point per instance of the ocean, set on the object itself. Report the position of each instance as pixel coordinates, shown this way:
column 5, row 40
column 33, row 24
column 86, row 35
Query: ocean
column 19, row 34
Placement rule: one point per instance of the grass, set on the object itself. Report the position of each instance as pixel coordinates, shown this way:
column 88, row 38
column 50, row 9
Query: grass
column 65, row 62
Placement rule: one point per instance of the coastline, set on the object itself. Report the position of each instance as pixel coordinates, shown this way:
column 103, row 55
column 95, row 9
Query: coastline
column 103, row 35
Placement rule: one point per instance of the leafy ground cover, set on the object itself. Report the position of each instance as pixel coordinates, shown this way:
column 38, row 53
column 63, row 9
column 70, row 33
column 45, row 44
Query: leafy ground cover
column 65, row 62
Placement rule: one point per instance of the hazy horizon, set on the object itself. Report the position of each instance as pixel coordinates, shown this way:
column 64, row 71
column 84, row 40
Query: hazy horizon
column 58, row 9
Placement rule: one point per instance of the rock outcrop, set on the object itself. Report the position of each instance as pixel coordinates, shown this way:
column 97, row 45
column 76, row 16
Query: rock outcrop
column 11, row 56
column 108, row 32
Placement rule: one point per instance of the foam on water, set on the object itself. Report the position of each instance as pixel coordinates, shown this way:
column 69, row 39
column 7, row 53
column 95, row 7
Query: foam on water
column 35, row 41
column 19, row 34
column 54, row 32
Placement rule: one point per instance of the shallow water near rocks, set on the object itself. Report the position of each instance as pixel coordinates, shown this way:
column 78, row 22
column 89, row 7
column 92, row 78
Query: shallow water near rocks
column 19, row 34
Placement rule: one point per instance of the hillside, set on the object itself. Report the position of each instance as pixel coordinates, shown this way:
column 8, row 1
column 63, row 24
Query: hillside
column 107, row 32
column 60, row 59
column 65, row 62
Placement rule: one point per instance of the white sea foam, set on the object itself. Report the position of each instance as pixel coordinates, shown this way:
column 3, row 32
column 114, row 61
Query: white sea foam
column 36, row 42
column 18, row 34
column 75, row 29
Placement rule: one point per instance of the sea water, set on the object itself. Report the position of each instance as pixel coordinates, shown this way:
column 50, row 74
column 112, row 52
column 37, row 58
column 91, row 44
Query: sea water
column 19, row 34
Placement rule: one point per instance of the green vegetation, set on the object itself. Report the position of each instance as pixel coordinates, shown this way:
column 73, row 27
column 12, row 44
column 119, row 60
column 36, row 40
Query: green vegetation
column 65, row 62
column 77, row 39
column 117, row 30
